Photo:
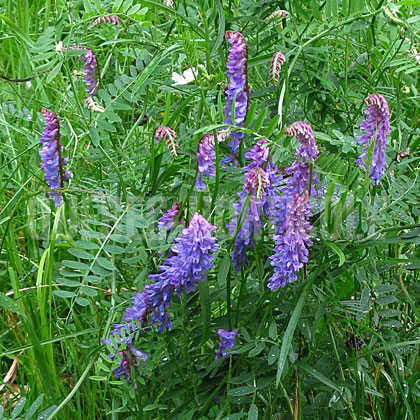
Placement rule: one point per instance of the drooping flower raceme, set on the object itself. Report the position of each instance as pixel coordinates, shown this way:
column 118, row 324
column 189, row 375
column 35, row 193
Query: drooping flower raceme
column 276, row 62
column 299, row 170
column 376, row 128
column 52, row 161
column 226, row 341
column 237, row 92
column 169, row 135
column 167, row 219
column 206, row 156
column 91, row 72
column 192, row 258
column 308, row 150
column 261, row 185
column 291, row 244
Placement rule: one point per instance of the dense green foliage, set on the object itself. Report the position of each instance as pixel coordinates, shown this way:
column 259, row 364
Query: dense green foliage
column 340, row 343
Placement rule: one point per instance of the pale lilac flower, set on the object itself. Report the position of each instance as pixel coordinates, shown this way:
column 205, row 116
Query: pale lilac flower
column 91, row 72
column 276, row 62
column 205, row 158
column 291, row 244
column 167, row 219
column 226, row 341
column 52, row 161
column 237, row 92
column 187, row 76
column 169, row 135
column 376, row 128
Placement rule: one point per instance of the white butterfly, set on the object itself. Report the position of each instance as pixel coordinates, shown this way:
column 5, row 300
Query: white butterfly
column 188, row 76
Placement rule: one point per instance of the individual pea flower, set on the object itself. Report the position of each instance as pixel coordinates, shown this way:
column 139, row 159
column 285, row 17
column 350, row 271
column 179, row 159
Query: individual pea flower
column 93, row 106
column 306, row 137
column 52, row 161
column 376, row 128
column 237, row 91
column 106, row 19
column 291, row 244
column 130, row 357
column 169, row 135
column 90, row 70
column 168, row 3
column 206, row 156
column 226, row 341
column 167, row 220
column 276, row 62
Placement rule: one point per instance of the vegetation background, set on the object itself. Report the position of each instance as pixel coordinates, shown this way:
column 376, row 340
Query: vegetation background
column 341, row 343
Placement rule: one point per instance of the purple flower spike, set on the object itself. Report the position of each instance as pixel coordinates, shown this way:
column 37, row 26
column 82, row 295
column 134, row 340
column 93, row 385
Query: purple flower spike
column 51, row 159
column 167, row 220
column 192, row 261
column 91, row 72
column 256, row 182
column 226, row 341
column 376, row 128
column 205, row 158
column 237, row 92
column 292, row 243
column 304, row 133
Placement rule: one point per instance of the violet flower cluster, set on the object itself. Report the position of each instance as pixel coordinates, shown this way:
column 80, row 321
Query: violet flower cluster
column 226, row 341
column 299, row 170
column 206, row 156
column 255, row 199
column 237, row 92
column 292, row 239
column 167, row 220
column 292, row 242
column 52, row 161
column 190, row 261
column 376, row 128
column 91, row 72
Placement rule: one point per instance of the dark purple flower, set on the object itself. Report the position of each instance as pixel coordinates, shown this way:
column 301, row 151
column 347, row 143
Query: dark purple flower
column 276, row 62
column 91, row 72
column 205, row 158
column 167, row 219
column 52, row 161
column 291, row 244
column 226, row 341
column 164, row 132
column 237, row 92
column 130, row 357
column 376, row 128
